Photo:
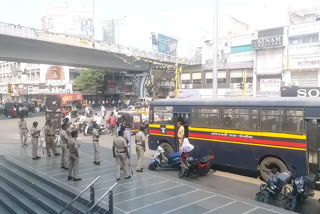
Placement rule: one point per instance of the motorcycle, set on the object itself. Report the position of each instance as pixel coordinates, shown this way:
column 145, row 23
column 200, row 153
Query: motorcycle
column 272, row 189
column 101, row 129
column 196, row 166
column 303, row 187
column 174, row 160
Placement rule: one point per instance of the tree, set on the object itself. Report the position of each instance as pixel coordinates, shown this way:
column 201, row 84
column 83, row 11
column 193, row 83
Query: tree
column 151, row 81
column 91, row 80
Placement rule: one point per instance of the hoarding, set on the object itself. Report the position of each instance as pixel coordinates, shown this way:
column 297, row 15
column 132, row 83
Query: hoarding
column 167, row 44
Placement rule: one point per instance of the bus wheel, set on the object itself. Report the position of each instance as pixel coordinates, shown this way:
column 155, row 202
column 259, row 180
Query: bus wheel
column 271, row 165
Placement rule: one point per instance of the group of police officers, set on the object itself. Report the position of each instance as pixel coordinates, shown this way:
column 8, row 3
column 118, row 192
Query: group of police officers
column 70, row 146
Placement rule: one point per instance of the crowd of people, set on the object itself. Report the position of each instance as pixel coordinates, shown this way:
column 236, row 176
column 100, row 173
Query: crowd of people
column 70, row 146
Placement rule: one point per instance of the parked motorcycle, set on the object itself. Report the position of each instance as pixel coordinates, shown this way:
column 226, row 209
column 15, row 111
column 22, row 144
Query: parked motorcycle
column 303, row 187
column 196, row 166
column 174, row 160
column 272, row 189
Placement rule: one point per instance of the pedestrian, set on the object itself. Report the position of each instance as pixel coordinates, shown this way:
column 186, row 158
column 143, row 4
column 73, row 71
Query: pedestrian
column 121, row 154
column 111, row 121
column 140, row 140
column 180, row 133
column 95, row 142
column 103, row 111
column 20, row 110
column 35, row 134
column 87, row 111
column 65, row 138
column 73, row 173
column 49, row 135
column 23, row 131
column 186, row 148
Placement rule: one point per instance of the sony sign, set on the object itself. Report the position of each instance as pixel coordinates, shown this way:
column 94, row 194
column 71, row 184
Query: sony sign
column 268, row 42
column 300, row 92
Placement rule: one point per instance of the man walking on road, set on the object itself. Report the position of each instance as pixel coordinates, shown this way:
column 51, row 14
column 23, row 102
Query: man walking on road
column 23, row 131
column 111, row 120
column 73, row 172
column 95, row 143
column 121, row 154
column 49, row 134
column 35, row 134
column 65, row 138
column 140, row 140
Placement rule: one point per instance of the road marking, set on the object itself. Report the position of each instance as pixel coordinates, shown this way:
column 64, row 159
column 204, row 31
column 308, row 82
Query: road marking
column 249, row 211
column 141, row 187
column 181, row 207
column 227, row 204
column 97, row 176
column 83, row 170
column 131, row 199
column 158, row 202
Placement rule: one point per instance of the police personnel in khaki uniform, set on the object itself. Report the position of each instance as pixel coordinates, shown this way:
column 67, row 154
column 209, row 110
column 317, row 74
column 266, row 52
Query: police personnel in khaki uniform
column 73, row 172
column 35, row 134
column 23, row 131
column 95, row 143
column 49, row 139
column 121, row 154
column 65, row 138
column 140, row 140
column 180, row 133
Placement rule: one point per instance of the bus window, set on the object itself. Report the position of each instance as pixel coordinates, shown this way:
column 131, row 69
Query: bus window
column 163, row 114
column 270, row 120
column 249, row 119
column 292, row 121
column 206, row 117
column 231, row 118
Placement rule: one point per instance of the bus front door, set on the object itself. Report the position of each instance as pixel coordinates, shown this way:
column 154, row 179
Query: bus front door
column 313, row 143
column 184, row 118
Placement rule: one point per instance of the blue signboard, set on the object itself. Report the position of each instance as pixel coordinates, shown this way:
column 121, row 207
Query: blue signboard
column 167, row 44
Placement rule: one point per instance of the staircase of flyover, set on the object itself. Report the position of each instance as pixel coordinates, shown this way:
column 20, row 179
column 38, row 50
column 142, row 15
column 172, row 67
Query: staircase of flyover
column 23, row 191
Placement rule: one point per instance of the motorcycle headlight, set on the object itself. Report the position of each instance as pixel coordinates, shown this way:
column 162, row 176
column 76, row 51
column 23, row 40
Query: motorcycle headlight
column 273, row 187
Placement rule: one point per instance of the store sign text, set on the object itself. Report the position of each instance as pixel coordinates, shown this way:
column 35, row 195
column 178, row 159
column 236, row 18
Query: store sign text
column 268, row 42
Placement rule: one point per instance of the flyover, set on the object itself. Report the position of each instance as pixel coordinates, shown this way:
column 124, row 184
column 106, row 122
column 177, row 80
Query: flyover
column 30, row 45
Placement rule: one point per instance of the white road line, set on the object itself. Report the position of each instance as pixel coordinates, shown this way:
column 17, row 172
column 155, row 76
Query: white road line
column 80, row 171
column 181, row 207
column 158, row 202
column 131, row 199
column 124, row 183
column 225, row 205
column 129, row 190
column 249, row 211
column 97, row 176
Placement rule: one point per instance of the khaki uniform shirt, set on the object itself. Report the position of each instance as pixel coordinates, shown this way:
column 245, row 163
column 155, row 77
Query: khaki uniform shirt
column 64, row 137
column 49, row 131
column 120, row 144
column 73, row 146
column 95, row 135
column 140, row 139
column 34, row 132
column 181, row 132
column 22, row 125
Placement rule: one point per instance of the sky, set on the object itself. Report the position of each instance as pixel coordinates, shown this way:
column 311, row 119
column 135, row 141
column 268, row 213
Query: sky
column 189, row 21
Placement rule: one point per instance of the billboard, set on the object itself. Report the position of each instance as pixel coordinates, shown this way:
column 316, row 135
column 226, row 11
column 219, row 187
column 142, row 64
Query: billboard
column 167, row 44
column 67, row 20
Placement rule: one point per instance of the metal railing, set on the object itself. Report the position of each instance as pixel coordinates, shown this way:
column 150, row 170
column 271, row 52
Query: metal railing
column 97, row 209
column 92, row 196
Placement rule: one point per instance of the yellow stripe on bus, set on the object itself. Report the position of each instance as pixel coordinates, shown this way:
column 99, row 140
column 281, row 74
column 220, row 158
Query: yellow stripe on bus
column 154, row 126
column 166, row 135
column 263, row 134
column 250, row 144
column 169, row 127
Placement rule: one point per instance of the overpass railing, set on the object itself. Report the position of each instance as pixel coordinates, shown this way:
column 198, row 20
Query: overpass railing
column 32, row 33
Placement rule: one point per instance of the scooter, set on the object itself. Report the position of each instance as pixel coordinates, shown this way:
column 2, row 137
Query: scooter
column 196, row 166
column 272, row 189
column 174, row 160
column 303, row 187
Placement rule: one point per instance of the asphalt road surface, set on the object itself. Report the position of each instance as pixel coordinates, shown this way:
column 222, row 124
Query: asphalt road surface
column 229, row 181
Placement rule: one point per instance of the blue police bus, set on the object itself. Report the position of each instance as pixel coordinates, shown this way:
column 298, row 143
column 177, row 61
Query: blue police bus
column 247, row 133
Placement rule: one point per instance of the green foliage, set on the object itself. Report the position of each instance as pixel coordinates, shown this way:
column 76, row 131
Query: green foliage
column 90, row 80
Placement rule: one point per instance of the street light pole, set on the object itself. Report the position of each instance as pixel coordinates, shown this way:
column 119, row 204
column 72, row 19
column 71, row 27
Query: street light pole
column 93, row 20
column 215, row 52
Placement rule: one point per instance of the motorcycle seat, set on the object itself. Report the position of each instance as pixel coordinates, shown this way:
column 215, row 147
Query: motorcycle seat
column 283, row 176
column 309, row 179
column 174, row 155
column 205, row 159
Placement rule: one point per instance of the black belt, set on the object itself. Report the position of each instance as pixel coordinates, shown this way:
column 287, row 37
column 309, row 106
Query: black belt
column 50, row 135
column 96, row 140
column 35, row 137
column 121, row 152
column 23, row 129
column 139, row 145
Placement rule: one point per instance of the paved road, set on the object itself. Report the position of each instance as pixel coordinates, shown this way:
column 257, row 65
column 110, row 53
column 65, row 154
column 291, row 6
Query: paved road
column 221, row 188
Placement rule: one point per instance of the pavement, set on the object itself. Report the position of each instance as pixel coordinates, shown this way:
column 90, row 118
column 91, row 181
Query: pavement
column 148, row 192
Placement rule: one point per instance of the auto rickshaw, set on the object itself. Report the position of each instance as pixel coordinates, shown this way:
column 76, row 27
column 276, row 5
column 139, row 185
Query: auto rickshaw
column 133, row 120
column 67, row 108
